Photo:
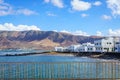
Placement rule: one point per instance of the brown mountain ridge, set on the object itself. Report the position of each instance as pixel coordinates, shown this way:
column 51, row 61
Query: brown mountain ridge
column 40, row 39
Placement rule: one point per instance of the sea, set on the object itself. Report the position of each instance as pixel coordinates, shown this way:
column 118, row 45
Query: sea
column 46, row 66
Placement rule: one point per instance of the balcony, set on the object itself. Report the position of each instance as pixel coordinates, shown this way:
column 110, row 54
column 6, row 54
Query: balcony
column 60, row 70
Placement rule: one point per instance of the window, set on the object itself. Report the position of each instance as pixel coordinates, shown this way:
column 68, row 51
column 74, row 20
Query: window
column 99, row 48
column 105, row 48
column 96, row 43
column 117, row 42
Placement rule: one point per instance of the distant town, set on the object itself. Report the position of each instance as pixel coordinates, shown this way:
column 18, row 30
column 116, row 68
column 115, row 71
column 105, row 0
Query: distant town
column 109, row 44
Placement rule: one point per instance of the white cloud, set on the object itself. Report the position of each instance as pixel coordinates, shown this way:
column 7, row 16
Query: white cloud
column 7, row 9
column 65, row 31
column 97, row 3
column 98, row 33
column 57, row 3
column 47, row 1
column 11, row 27
column 26, row 12
column 51, row 14
column 114, row 32
column 79, row 32
column 114, row 5
column 106, row 17
column 55, row 30
column 84, row 15
column 80, row 5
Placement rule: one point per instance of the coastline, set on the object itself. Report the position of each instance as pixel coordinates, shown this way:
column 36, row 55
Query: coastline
column 105, row 56
column 97, row 55
column 60, row 54
column 94, row 55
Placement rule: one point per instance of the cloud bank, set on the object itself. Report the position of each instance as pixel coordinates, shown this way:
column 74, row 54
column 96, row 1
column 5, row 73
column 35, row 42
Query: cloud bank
column 79, row 32
column 11, row 27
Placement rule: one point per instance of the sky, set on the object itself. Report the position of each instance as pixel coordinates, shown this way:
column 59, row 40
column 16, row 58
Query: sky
column 78, row 17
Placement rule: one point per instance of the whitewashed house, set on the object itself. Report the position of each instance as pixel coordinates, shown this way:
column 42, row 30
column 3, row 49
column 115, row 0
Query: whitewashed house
column 117, row 47
column 74, row 48
column 117, row 44
column 91, row 48
column 59, row 49
column 104, row 45
column 87, row 47
column 82, row 49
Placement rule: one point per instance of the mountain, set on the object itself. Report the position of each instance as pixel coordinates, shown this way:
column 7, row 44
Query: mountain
column 40, row 39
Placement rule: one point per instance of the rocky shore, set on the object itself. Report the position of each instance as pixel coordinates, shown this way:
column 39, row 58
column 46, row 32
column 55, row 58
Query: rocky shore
column 105, row 55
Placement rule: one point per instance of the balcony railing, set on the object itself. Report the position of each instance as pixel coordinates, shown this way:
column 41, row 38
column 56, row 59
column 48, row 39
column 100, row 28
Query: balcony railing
column 60, row 70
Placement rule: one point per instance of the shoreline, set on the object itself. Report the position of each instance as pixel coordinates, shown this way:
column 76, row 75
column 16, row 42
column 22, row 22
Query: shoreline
column 94, row 55
column 105, row 56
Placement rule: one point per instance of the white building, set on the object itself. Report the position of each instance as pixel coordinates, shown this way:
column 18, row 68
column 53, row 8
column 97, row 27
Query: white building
column 117, row 47
column 110, row 44
column 104, row 45
column 87, row 47
column 91, row 48
column 73, row 48
column 117, row 44
column 82, row 49
column 59, row 49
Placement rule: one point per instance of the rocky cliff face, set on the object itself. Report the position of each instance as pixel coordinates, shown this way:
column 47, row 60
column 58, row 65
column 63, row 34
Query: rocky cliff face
column 40, row 39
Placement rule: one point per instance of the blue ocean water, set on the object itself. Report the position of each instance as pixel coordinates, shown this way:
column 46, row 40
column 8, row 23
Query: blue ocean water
column 18, row 51
column 45, row 58
column 40, row 57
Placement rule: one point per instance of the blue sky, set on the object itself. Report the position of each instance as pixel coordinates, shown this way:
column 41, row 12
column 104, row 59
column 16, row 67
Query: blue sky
column 78, row 17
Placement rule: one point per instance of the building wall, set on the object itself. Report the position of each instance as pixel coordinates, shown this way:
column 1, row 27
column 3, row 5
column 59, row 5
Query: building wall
column 104, row 45
column 59, row 49
column 73, row 48
column 83, row 49
column 87, row 47
column 91, row 49
column 117, row 47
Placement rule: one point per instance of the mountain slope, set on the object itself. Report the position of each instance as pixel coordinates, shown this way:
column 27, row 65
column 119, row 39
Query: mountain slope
column 40, row 39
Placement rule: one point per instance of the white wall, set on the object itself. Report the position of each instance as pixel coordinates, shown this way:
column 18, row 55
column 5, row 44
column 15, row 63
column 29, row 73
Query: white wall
column 117, row 47
column 104, row 45
column 59, row 49
column 91, row 48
